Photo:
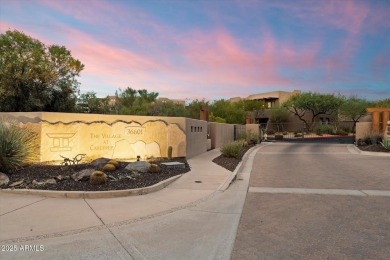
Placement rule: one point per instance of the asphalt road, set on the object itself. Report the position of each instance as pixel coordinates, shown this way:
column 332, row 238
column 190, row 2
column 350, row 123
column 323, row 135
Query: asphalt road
column 315, row 201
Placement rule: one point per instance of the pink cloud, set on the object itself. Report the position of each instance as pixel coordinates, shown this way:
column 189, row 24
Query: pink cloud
column 110, row 16
column 351, row 16
column 221, row 58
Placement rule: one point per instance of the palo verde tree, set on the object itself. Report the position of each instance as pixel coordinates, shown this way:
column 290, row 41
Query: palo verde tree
column 135, row 102
column 167, row 108
column 232, row 113
column 382, row 103
column 89, row 103
column 36, row 77
column 279, row 116
column 193, row 108
column 308, row 106
column 354, row 108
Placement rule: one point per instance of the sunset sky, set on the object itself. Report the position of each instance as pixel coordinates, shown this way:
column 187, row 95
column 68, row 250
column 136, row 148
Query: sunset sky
column 216, row 48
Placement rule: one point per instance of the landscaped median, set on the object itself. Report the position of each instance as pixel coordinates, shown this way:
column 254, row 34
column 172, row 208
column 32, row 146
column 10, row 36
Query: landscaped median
column 77, row 181
column 94, row 194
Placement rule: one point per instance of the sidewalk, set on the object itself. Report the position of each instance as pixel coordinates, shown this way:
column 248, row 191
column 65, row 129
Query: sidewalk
column 30, row 217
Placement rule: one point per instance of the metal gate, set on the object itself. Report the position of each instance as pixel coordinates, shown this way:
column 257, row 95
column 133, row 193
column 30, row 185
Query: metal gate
column 340, row 132
column 238, row 129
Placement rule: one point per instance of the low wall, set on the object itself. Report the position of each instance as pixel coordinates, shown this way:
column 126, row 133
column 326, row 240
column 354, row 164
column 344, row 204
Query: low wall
column 221, row 134
column 113, row 136
column 363, row 129
column 196, row 137
column 253, row 128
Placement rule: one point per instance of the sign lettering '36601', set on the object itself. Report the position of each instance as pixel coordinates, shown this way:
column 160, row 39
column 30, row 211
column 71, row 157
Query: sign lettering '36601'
column 134, row 130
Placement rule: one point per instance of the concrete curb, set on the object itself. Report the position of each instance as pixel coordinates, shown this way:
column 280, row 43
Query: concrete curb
column 94, row 194
column 239, row 168
column 355, row 150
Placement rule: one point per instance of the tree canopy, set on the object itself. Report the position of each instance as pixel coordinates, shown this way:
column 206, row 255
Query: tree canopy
column 134, row 102
column 382, row 103
column 89, row 103
column 354, row 108
column 36, row 77
column 307, row 106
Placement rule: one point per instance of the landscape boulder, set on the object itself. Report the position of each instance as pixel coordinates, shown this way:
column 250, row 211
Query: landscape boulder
column 100, row 162
column 139, row 166
column 4, row 180
column 83, row 175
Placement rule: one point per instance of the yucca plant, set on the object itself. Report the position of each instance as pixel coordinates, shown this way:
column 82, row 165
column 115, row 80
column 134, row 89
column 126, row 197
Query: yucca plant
column 18, row 146
column 386, row 143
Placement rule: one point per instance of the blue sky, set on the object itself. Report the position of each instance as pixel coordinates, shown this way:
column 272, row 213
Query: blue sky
column 216, row 49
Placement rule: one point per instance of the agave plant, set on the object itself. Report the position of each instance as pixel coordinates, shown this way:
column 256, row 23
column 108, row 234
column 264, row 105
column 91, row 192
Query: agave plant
column 18, row 146
column 386, row 143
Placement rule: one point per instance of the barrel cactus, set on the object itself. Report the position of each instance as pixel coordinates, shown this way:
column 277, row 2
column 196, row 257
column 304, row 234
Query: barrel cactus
column 109, row 167
column 97, row 178
column 154, row 168
column 115, row 163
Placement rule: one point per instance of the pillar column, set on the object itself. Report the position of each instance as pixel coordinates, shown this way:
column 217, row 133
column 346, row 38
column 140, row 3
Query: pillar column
column 375, row 121
column 204, row 113
column 385, row 118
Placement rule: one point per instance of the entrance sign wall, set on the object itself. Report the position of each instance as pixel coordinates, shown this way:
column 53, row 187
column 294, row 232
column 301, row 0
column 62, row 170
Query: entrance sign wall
column 113, row 136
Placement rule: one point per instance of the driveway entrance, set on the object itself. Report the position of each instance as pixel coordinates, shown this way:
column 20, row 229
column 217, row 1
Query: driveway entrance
column 311, row 201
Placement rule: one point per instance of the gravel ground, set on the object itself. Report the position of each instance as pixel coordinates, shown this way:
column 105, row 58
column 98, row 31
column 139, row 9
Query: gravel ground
column 119, row 180
column 231, row 163
column 373, row 148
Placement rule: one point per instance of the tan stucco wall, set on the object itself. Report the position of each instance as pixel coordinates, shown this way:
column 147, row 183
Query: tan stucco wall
column 196, row 137
column 113, row 136
column 363, row 129
column 221, row 134
column 253, row 128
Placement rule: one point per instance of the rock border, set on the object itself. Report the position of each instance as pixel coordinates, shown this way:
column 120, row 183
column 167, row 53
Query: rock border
column 94, row 194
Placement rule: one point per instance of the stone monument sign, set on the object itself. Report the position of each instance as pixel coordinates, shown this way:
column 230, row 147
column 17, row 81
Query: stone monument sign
column 113, row 136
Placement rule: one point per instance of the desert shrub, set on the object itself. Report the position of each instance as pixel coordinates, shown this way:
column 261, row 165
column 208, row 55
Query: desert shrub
column 244, row 143
column 154, row 168
column 249, row 137
column 346, row 129
column 252, row 137
column 115, row 163
column 109, row 167
column 341, row 132
column 373, row 139
column 323, row 129
column 386, row 143
column 278, row 137
column 18, row 146
column 232, row 149
column 241, row 135
column 98, row 177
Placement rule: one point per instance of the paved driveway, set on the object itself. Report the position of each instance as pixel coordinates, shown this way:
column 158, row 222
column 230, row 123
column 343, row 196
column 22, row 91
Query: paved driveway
column 315, row 201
